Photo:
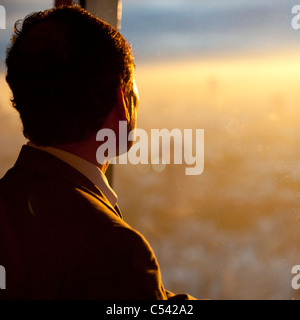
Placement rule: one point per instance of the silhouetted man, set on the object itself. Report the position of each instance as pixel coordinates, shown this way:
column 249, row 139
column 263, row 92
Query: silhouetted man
column 62, row 235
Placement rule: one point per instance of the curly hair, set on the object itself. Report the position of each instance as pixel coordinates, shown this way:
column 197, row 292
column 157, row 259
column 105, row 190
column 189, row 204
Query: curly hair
column 64, row 67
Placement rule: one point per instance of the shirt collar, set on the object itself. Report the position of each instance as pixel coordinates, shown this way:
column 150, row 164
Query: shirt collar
column 92, row 172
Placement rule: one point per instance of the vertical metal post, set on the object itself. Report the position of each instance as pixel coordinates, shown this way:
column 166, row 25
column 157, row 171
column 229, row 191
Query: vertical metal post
column 107, row 10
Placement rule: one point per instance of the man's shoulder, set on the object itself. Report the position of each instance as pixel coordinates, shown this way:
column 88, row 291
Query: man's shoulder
column 80, row 211
column 52, row 198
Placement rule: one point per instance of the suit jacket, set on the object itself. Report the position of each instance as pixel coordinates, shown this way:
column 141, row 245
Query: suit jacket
column 61, row 239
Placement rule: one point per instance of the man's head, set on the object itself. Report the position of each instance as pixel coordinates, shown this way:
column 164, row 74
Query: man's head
column 66, row 68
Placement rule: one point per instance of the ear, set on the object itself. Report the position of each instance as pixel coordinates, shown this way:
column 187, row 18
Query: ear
column 122, row 106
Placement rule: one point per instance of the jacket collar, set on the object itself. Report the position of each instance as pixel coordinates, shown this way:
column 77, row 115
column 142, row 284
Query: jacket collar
column 45, row 164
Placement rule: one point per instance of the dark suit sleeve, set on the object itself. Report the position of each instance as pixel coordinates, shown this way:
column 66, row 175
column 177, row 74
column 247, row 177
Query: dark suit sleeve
column 179, row 296
column 122, row 268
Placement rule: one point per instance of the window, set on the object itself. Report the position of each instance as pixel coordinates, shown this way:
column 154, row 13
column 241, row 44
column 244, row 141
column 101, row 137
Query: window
column 230, row 68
